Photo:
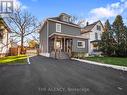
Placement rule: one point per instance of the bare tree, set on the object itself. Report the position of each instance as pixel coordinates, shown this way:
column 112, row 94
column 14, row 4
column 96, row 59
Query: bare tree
column 74, row 19
column 82, row 23
column 22, row 24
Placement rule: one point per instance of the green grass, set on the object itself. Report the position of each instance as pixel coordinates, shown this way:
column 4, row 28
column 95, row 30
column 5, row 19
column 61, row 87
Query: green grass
column 109, row 60
column 21, row 59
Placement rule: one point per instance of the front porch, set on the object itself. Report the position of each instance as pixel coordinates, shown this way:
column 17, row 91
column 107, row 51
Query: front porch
column 60, row 47
column 95, row 47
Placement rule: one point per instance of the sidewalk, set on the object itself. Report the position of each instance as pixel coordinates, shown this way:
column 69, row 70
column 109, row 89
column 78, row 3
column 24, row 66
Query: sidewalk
column 123, row 68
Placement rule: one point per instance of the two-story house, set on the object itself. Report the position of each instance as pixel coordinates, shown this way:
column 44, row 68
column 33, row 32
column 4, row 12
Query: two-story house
column 93, row 32
column 59, row 37
column 4, row 38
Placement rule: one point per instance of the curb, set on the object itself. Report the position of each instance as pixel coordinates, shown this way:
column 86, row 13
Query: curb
column 123, row 68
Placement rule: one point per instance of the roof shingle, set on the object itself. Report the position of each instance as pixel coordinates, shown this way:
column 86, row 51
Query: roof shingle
column 89, row 27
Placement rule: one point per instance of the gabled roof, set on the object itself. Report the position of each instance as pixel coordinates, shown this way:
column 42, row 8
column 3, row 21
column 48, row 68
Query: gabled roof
column 89, row 27
column 4, row 23
column 58, row 19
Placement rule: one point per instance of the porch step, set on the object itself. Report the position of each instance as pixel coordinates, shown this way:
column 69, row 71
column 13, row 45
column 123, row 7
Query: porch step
column 60, row 55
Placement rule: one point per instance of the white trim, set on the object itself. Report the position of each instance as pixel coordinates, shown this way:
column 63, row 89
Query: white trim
column 60, row 34
column 83, row 42
column 64, row 23
column 57, row 22
column 101, row 64
column 58, row 27
column 98, row 26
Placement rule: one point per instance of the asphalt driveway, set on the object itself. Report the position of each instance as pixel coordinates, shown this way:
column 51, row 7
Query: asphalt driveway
column 47, row 76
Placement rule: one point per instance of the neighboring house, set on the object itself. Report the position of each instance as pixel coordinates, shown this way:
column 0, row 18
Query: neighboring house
column 59, row 37
column 4, row 38
column 13, row 44
column 93, row 32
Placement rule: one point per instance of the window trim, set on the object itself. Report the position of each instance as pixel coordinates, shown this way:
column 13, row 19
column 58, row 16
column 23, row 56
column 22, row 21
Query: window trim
column 58, row 30
column 96, row 36
column 65, row 18
column 83, row 42
column 98, row 27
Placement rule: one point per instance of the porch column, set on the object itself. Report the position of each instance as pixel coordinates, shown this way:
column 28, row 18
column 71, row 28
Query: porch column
column 67, row 45
column 61, row 45
column 64, row 44
column 55, row 45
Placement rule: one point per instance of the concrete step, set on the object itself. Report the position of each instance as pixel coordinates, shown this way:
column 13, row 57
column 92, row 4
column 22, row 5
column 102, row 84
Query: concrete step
column 60, row 55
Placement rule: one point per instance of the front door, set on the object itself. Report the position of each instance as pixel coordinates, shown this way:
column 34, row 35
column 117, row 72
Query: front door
column 59, row 44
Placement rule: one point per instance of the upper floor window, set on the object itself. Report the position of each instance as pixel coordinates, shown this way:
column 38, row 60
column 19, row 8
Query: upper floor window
column 81, row 44
column 96, row 36
column 65, row 18
column 98, row 27
column 58, row 27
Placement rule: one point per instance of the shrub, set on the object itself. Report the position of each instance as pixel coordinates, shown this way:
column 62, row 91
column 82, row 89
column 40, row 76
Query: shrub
column 79, row 54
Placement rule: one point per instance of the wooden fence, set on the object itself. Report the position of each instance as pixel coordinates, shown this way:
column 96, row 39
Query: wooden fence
column 14, row 51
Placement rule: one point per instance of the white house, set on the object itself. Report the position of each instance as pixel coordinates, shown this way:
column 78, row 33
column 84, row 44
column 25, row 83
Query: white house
column 93, row 32
column 4, row 38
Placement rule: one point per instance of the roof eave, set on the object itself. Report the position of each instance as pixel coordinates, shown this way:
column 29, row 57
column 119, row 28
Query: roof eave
column 64, row 23
column 6, row 26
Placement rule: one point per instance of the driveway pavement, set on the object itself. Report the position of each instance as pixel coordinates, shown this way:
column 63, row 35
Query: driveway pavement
column 47, row 76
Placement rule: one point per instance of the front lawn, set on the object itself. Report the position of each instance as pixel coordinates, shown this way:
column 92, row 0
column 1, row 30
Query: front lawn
column 21, row 59
column 109, row 60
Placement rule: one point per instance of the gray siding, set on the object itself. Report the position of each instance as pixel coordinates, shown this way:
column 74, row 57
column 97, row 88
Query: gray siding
column 70, row 30
column 43, row 39
column 65, row 29
column 76, row 49
column 52, row 27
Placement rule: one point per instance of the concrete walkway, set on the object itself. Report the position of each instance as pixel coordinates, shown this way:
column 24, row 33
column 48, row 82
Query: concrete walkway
column 123, row 68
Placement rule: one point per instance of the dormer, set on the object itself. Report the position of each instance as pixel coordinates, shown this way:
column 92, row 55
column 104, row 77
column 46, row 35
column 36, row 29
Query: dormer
column 65, row 17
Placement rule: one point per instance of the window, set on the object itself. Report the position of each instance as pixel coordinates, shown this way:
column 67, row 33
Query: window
column 1, row 36
column 81, row 44
column 65, row 18
column 58, row 27
column 96, row 36
column 98, row 27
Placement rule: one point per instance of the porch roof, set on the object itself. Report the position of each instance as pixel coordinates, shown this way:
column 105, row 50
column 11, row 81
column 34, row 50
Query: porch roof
column 95, row 41
column 66, row 35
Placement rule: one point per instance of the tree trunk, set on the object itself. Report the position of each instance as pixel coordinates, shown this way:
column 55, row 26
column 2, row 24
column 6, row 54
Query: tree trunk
column 22, row 47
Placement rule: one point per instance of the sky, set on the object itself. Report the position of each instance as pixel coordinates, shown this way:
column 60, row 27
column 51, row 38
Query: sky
column 90, row 10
